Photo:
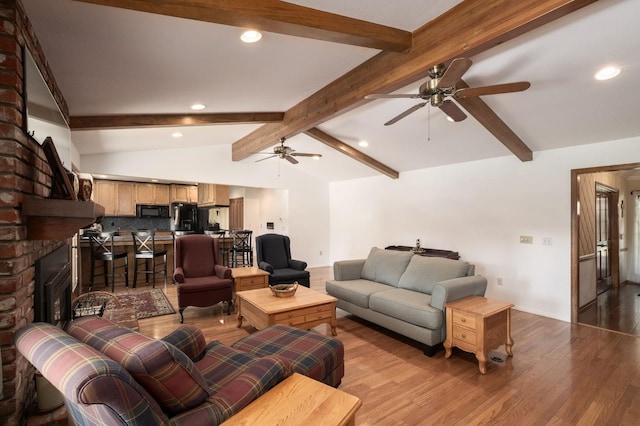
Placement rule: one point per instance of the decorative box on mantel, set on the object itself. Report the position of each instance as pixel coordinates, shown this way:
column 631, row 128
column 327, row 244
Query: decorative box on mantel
column 51, row 219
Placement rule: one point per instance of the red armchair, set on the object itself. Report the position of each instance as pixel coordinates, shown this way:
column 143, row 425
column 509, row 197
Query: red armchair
column 201, row 281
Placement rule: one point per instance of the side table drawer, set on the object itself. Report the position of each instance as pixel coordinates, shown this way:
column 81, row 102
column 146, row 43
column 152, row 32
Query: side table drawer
column 468, row 336
column 464, row 320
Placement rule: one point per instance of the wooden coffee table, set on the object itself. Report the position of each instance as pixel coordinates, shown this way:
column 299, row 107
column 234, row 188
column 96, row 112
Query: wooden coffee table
column 305, row 309
column 299, row 400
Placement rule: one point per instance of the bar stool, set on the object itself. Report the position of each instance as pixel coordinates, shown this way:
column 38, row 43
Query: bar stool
column 104, row 254
column 241, row 247
column 144, row 248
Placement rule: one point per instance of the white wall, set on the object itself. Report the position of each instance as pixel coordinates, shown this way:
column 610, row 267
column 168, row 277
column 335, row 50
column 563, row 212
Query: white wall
column 480, row 209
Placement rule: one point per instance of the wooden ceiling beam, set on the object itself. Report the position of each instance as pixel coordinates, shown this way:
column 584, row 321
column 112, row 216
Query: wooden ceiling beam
column 351, row 152
column 275, row 16
column 467, row 29
column 96, row 122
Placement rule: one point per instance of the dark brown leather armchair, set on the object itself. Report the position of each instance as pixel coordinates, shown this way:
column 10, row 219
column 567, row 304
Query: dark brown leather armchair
column 201, row 281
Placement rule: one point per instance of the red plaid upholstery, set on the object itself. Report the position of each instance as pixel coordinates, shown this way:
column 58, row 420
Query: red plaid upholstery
column 311, row 354
column 98, row 391
column 165, row 372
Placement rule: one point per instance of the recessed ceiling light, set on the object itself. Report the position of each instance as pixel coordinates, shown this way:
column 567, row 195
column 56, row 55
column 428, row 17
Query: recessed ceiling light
column 607, row 72
column 316, row 157
column 176, row 135
column 198, row 107
column 363, row 143
column 449, row 118
column 251, row 36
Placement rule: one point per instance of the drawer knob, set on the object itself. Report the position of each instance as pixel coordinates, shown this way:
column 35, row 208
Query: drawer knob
column 464, row 336
column 463, row 320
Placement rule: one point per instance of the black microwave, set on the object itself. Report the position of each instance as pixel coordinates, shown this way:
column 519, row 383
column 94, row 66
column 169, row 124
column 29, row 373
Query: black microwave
column 151, row 210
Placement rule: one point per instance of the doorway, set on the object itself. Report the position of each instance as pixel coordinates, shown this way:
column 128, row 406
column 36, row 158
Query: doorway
column 602, row 245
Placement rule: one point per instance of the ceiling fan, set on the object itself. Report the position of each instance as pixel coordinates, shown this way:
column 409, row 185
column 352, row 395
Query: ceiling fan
column 442, row 85
column 286, row 153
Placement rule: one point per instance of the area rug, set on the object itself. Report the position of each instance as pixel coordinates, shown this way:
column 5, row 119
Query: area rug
column 147, row 303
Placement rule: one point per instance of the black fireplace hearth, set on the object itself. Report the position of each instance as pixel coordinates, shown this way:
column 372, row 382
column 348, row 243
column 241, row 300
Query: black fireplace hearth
column 52, row 294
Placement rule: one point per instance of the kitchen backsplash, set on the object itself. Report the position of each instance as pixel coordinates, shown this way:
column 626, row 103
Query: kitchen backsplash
column 124, row 223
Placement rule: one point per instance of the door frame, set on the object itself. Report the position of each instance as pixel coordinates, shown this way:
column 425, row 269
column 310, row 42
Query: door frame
column 575, row 227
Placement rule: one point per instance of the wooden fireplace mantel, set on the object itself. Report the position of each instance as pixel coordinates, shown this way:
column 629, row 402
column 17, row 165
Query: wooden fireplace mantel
column 52, row 219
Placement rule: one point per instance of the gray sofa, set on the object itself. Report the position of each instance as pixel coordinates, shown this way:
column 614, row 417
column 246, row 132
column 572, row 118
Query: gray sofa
column 404, row 292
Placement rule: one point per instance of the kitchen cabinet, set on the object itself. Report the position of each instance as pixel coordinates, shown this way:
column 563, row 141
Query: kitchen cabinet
column 125, row 199
column 213, row 195
column 184, row 193
column 104, row 193
column 149, row 193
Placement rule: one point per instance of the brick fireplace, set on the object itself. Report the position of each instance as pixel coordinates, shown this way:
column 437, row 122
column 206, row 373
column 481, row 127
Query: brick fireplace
column 23, row 172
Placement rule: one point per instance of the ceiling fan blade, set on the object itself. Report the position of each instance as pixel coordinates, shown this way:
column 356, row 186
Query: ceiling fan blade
column 387, row 96
column 265, row 158
column 492, row 90
column 498, row 128
column 452, row 110
column 454, row 73
column 404, row 114
column 291, row 159
column 305, row 154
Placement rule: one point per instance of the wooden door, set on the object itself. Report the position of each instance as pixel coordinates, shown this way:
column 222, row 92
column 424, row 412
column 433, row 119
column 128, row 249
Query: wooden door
column 236, row 214
column 607, row 244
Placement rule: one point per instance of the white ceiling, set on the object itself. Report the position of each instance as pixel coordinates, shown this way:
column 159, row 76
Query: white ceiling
column 114, row 61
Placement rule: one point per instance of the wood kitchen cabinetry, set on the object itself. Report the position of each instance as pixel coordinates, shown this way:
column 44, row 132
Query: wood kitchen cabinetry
column 104, row 193
column 213, row 195
column 125, row 199
column 149, row 193
column 184, row 193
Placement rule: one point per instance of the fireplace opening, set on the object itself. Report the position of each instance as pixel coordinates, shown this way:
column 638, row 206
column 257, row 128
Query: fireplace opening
column 52, row 298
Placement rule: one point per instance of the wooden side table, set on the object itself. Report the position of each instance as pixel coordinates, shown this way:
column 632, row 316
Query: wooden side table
column 299, row 400
column 249, row 278
column 477, row 324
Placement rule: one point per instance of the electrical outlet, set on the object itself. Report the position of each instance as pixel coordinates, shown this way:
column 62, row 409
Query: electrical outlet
column 320, row 252
column 526, row 239
column 547, row 241
column 498, row 281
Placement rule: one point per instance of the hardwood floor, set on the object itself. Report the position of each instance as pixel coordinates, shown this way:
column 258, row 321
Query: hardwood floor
column 616, row 309
column 561, row 373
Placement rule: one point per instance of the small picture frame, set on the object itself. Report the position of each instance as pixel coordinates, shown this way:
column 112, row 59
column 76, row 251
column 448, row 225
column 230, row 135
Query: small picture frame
column 61, row 187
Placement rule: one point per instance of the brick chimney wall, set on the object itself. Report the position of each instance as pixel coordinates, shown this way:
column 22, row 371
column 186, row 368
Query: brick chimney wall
column 23, row 172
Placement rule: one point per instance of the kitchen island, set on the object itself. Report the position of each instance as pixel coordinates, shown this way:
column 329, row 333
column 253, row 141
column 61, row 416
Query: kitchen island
column 164, row 241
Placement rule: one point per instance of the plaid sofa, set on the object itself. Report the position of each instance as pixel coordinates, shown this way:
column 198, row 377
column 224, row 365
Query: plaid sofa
column 113, row 375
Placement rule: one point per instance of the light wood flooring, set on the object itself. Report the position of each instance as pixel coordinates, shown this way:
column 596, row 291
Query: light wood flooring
column 561, row 373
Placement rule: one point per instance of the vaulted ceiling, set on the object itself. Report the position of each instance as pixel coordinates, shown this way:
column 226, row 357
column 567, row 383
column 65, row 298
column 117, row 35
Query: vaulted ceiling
column 130, row 69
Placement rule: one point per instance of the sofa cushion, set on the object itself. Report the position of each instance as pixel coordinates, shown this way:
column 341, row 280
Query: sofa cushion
column 355, row 291
column 385, row 266
column 423, row 273
column 409, row 306
column 165, row 372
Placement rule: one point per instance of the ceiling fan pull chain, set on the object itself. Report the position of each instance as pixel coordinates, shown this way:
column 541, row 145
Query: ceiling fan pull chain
column 428, row 122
